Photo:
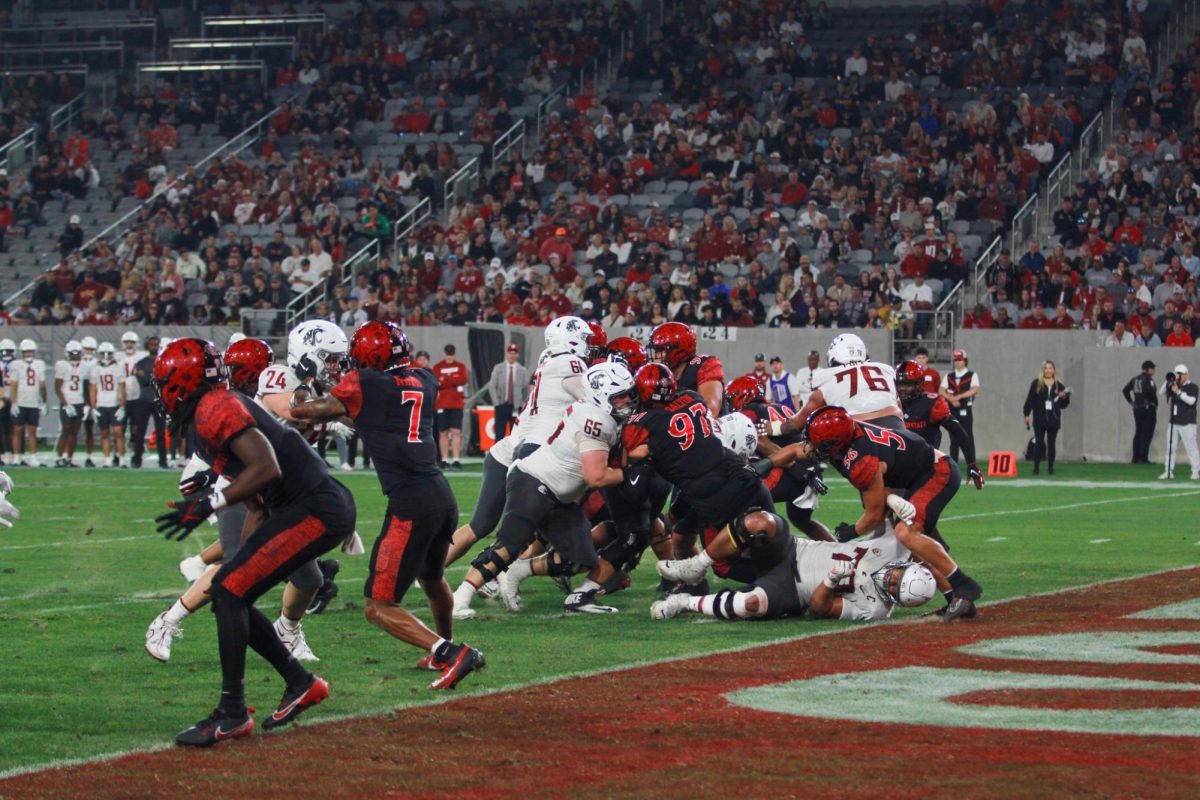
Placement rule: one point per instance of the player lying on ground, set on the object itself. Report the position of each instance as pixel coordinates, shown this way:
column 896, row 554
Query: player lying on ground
column 7, row 509
column 392, row 405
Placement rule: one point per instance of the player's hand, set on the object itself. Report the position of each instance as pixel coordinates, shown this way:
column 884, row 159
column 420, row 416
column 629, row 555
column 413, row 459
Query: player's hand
column 6, row 484
column 1027, row 423
column 69, row 411
column 184, row 517
column 7, row 509
column 87, row 413
column 975, row 475
column 841, row 570
column 197, row 482
column 305, row 368
column 120, row 415
column 340, row 430
column 903, row 509
column 45, row 409
column 816, row 483
column 845, row 532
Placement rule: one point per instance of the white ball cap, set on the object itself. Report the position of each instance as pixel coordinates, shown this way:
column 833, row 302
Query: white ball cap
column 1181, row 368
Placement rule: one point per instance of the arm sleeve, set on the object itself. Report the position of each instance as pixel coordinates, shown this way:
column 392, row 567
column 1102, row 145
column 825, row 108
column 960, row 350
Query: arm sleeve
column 1187, row 398
column 222, row 419
column 710, row 370
column 958, row 435
column 863, row 472
column 633, row 436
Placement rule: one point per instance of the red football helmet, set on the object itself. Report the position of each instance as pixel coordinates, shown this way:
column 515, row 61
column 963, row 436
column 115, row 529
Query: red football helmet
column 630, row 351
column 673, row 344
column 245, row 360
column 655, row 385
column 830, row 430
column 741, row 392
column 910, row 380
column 380, row 345
column 597, row 341
column 184, row 371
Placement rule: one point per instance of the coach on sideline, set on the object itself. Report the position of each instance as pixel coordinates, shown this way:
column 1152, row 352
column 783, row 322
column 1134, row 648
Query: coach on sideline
column 507, row 388
column 1142, row 394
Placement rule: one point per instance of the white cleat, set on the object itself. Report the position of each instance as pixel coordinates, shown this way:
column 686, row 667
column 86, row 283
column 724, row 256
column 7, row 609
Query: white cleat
column 346, row 467
column 490, row 590
column 295, row 642
column 464, row 612
column 192, row 568
column 670, row 607
column 1166, row 476
column 688, row 570
column 159, row 636
column 510, row 592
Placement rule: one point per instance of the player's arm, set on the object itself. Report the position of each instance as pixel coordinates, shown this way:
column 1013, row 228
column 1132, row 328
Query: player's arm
column 783, row 457
column 972, row 391
column 316, row 409
column 573, row 385
column 58, row 384
column 874, row 500
column 596, row 471
column 1128, row 391
column 795, row 424
column 713, row 393
column 92, row 388
column 825, row 603
column 260, row 470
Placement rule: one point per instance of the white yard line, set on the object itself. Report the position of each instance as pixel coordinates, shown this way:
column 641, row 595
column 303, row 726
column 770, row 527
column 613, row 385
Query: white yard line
column 1030, row 483
column 84, row 540
column 1042, row 509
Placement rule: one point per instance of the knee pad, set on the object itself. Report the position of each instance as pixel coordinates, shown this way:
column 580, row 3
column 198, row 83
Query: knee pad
column 307, row 578
column 489, row 564
column 799, row 516
column 739, row 603
column 558, row 567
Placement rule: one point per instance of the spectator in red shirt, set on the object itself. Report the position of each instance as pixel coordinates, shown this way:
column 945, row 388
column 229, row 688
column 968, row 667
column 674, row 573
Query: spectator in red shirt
column 1179, row 337
column 452, row 380
column 793, row 193
column 1037, row 321
column 418, row 16
column 1063, row 319
column 979, row 319
column 469, row 279
column 932, row 381
column 559, row 245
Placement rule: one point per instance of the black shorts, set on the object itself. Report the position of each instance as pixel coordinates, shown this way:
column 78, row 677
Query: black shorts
column 28, row 416
column 417, row 529
column 716, row 504
column 532, row 507
column 106, row 417
column 934, row 492
column 490, row 505
column 779, row 584
column 291, row 536
column 64, row 420
column 230, row 522
column 634, row 506
column 891, row 421
column 749, row 565
column 449, row 419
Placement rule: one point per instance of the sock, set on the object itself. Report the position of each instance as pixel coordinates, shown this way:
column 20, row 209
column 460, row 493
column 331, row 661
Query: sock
column 233, row 634
column 588, row 586
column 521, row 569
column 464, row 594
column 705, row 559
column 288, row 624
column 696, row 604
column 178, row 612
column 265, row 642
column 437, row 646
column 948, row 594
column 956, row 578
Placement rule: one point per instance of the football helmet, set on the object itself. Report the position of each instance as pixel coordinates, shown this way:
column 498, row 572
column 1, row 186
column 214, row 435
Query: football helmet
column 234, row 338
column 321, row 346
column 846, row 349
column 673, row 344
column 738, row 434
column 246, row 360
column 568, row 335
column 184, row 371
column 655, row 385
column 130, row 341
column 106, row 353
column 905, row 583
column 910, row 379
column 609, row 387
column 74, row 351
column 629, row 351
column 830, row 430
column 28, row 349
column 8, row 349
column 380, row 345
column 741, row 392
column 597, row 341
column 89, row 343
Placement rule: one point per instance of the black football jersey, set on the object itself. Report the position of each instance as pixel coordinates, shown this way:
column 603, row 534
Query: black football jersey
column 684, row 444
column 908, row 457
column 924, row 416
column 773, row 412
column 393, row 414
column 701, row 369
column 223, row 414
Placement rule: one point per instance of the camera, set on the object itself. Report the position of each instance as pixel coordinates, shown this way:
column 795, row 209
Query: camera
column 1170, row 378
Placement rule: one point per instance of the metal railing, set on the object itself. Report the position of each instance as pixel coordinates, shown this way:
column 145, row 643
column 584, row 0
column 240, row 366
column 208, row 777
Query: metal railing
column 212, row 47
column 81, row 25
column 460, row 185
column 302, row 305
column 20, row 151
column 933, row 330
column 238, row 23
column 1023, row 224
column 557, row 97
column 505, row 142
column 1177, row 35
column 41, row 55
column 201, row 67
column 967, row 291
column 409, row 222
column 65, row 115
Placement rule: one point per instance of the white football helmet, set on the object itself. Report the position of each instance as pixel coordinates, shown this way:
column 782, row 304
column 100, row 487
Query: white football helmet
column 28, row 349
column 609, row 387
column 234, row 339
column 162, row 345
column 8, row 349
column 105, row 352
column 846, row 349
column 129, row 337
column 738, row 434
column 73, row 350
column 905, row 583
column 319, row 344
column 89, row 343
column 568, row 335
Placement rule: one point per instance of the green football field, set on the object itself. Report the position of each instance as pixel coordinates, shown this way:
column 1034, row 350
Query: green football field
column 83, row 573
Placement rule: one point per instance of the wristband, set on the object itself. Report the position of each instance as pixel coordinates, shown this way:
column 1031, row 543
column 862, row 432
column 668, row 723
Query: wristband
column 762, row 467
column 217, row 498
column 830, row 582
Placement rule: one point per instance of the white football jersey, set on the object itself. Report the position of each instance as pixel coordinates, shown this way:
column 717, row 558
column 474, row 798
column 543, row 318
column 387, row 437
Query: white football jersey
column 72, row 375
column 108, row 378
column 583, row 428
column 133, row 389
column 859, row 388
column 280, row 379
column 502, row 450
column 29, row 375
column 861, row 599
column 548, row 398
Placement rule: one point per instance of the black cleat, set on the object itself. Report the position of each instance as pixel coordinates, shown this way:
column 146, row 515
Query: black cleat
column 463, row 660
column 694, row 589
column 329, row 589
column 217, row 727
column 295, row 701
column 959, row 608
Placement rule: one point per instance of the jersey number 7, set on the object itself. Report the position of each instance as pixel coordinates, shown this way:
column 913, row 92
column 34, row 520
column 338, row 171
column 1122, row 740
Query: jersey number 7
column 683, row 428
column 414, row 418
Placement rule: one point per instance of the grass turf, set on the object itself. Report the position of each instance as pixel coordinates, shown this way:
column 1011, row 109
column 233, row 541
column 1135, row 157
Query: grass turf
column 83, row 573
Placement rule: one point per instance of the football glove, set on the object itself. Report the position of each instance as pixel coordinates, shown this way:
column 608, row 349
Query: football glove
column 69, row 411
column 120, row 415
column 815, row 482
column 87, row 413
column 197, row 482
column 840, row 571
column 184, row 517
column 903, row 509
column 845, row 532
column 975, row 475
column 7, row 509
column 305, row 368
column 340, row 430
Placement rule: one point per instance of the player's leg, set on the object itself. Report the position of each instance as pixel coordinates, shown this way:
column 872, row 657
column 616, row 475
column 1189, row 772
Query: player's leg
column 1188, row 434
column 139, row 416
column 167, row 626
column 488, row 510
column 298, row 593
column 456, row 441
column 89, row 435
column 443, row 435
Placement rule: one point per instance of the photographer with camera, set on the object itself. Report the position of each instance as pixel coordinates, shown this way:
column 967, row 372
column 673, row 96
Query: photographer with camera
column 1142, row 394
column 1181, row 394
column 1043, row 406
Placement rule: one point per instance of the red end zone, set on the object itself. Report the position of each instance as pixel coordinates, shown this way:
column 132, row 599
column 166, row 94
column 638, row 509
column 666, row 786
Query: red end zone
column 671, row 730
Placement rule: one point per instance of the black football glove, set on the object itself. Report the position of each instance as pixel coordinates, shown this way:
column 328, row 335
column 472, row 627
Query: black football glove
column 845, row 532
column 305, row 368
column 815, row 482
column 198, row 482
column 975, row 475
column 184, row 517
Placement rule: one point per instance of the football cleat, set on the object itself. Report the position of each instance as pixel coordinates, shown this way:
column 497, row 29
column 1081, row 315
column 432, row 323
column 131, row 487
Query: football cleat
column 464, row 612
column 969, row 589
column 510, row 591
column 431, row 663
column 295, row 701
column 585, row 603
column 192, row 568
column 217, row 727
column 490, row 590
column 159, row 636
column 671, row 607
column 329, row 589
column 563, row 582
column 463, row 661
column 958, row 608
column 89, row 463
column 688, row 570
column 294, row 641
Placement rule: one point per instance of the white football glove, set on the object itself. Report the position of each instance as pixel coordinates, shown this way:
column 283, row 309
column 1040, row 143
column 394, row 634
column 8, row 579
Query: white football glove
column 70, row 411
column 352, row 545
column 903, row 509
column 45, row 409
column 6, row 484
column 7, row 509
column 120, row 415
column 840, row 571
column 87, row 413
column 339, row 430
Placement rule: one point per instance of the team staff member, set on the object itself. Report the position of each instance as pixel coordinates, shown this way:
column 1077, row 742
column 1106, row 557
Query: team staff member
column 1142, row 394
column 959, row 387
column 507, row 388
column 452, row 380
column 782, row 386
column 1182, row 394
column 1044, row 404
column 760, row 372
column 142, row 408
column 805, row 376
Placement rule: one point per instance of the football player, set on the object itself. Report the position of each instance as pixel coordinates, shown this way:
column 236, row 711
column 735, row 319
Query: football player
column 856, row 580
column 545, row 487
column 70, row 374
column 393, row 405
column 107, row 396
column 88, row 417
column 557, row 383
column 8, row 353
column 926, row 413
column 7, row 509
column 900, row 471
column 866, row 389
column 28, row 396
column 297, row 512
column 674, row 344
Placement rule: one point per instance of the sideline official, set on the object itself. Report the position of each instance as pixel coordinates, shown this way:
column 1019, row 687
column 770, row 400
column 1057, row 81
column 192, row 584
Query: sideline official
column 1182, row 395
column 1142, row 394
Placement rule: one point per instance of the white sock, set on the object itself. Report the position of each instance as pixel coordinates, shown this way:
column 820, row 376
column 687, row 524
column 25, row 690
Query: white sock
column 588, row 585
column 434, row 647
column 696, row 604
column 178, row 612
column 464, row 594
column 705, row 559
column 288, row 624
column 521, row 569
